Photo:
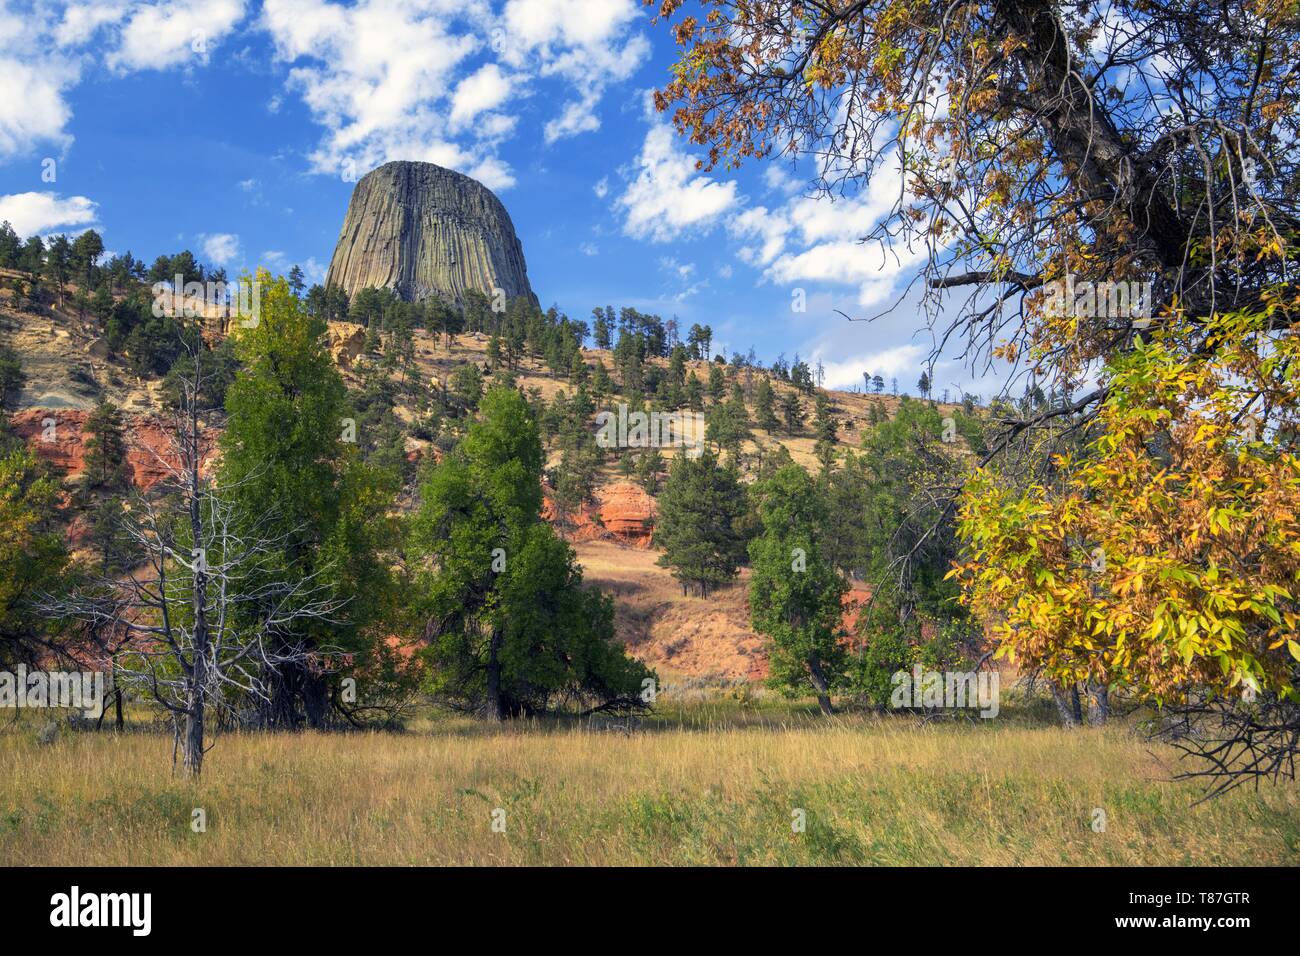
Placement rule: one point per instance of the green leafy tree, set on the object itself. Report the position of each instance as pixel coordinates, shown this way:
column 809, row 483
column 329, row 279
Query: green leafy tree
column 293, row 471
column 511, row 628
column 795, row 591
column 32, row 552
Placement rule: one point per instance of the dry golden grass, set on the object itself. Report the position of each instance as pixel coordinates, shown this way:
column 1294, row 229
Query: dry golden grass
column 707, row 637
column 706, row 783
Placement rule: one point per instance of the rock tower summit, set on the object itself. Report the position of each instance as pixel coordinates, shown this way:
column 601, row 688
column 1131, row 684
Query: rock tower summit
column 425, row 231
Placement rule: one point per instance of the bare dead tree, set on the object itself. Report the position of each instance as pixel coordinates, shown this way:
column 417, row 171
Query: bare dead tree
column 1229, row 743
column 199, row 565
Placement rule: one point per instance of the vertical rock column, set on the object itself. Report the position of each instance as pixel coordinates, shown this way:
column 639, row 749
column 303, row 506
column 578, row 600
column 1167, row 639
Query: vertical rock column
column 427, row 232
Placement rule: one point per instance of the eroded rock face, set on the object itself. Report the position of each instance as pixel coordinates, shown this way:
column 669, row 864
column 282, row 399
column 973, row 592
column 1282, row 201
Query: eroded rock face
column 622, row 511
column 628, row 512
column 346, row 340
column 425, row 231
column 59, row 436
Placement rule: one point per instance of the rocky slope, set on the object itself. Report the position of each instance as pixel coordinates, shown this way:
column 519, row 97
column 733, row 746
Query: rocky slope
column 59, row 436
column 426, row 231
column 685, row 638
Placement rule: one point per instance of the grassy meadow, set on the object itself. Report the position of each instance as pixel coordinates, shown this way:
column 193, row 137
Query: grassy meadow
column 715, row 779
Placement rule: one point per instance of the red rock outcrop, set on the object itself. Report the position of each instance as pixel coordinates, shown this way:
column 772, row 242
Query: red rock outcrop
column 59, row 436
column 622, row 511
column 628, row 512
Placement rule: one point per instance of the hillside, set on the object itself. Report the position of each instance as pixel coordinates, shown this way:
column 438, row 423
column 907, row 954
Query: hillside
column 69, row 370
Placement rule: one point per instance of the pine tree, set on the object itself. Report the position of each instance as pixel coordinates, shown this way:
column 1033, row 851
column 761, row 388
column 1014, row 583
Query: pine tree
column 649, row 467
column 10, row 246
column 32, row 260
column 717, row 384
column 293, row 466
column 12, row 379
column 792, row 412
column 601, row 386
column 700, row 512
column 764, row 405
column 106, row 469
column 85, row 252
column 512, row 629
column 600, row 329
column 694, row 392
column 57, row 258
column 826, row 430
column 579, row 373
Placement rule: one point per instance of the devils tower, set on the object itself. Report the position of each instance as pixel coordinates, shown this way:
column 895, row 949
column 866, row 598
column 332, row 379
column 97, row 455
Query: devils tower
column 426, row 232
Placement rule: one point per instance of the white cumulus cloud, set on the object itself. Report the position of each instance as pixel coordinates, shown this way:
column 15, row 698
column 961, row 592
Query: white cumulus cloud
column 667, row 196
column 38, row 213
column 159, row 36
column 482, row 90
column 220, row 248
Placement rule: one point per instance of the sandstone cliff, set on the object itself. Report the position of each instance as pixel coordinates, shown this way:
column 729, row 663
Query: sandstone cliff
column 622, row 512
column 59, row 436
column 425, row 231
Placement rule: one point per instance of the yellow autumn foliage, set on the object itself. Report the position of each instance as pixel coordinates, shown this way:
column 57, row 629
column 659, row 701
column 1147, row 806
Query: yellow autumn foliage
column 1165, row 555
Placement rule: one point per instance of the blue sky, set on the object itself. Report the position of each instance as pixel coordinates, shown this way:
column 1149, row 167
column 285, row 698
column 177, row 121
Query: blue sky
column 235, row 128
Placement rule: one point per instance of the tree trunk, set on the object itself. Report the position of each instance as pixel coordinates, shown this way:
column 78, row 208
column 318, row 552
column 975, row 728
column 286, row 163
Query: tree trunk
column 496, row 706
column 280, row 712
column 1065, row 706
column 198, row 676
column 192, row 742
column 1083, row 133
column 818, row 678
column 118, row 721
column 1098, row 704
column 315, row 700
